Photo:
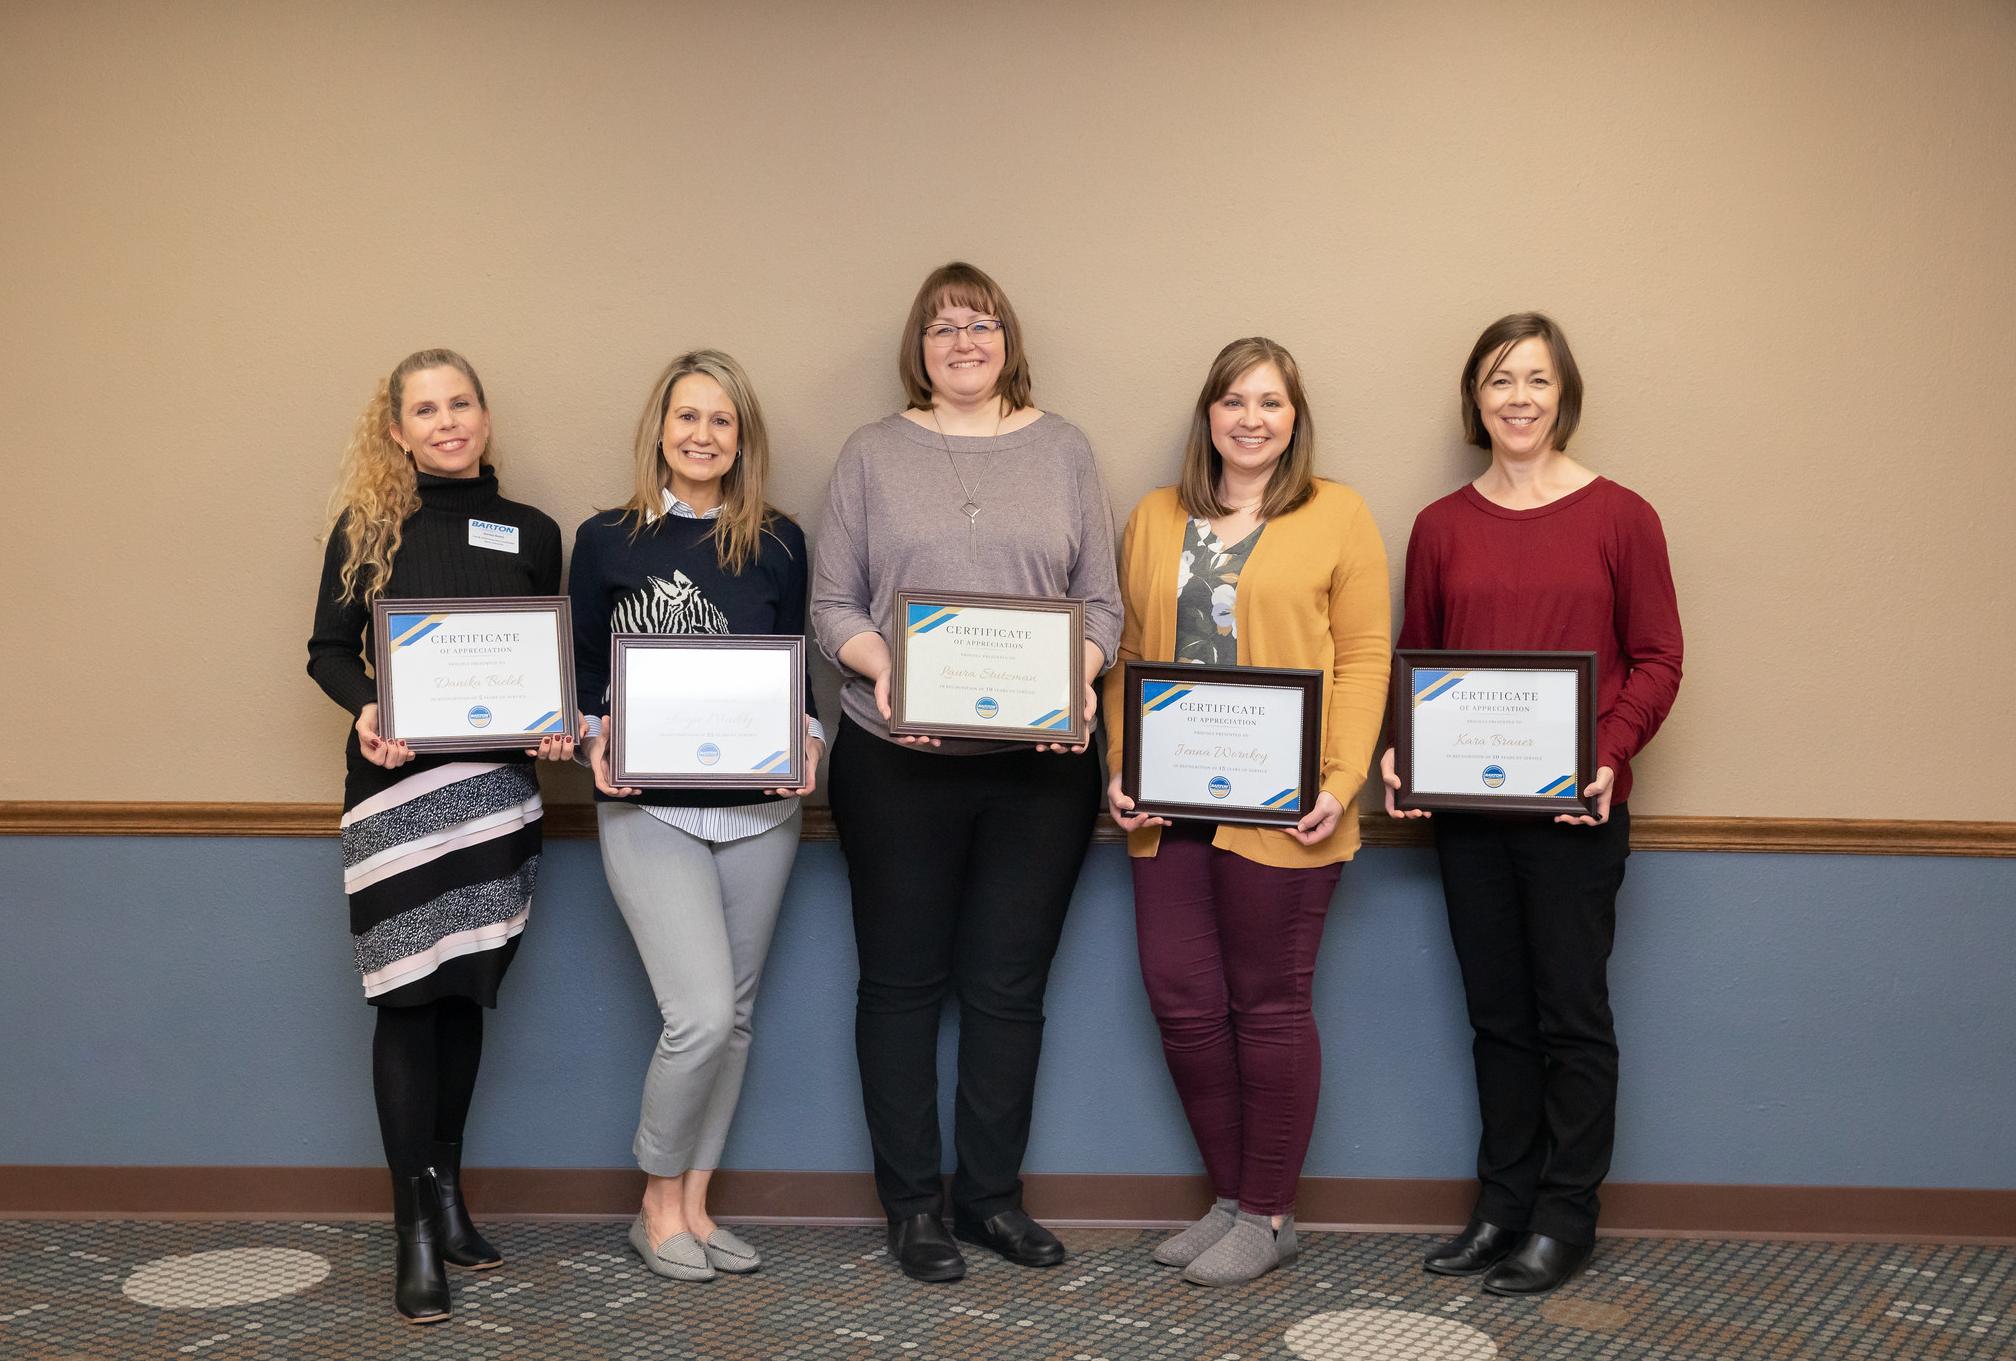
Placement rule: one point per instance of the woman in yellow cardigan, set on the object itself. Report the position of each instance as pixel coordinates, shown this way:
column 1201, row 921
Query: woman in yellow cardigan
column 1250, row 560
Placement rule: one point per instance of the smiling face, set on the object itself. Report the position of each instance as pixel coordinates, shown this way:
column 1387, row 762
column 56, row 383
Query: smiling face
column 1252, row 421
column 966, row 371
column 701, row 437
column 442, row 423
column 1517, row 399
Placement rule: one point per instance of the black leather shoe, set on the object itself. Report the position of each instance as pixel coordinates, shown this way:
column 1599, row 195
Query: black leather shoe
column 461, row 1244
column 1472, row 1252
column 920, row 1246
column 1014, row 1235
column 420, row 1286
column 1539, row 1265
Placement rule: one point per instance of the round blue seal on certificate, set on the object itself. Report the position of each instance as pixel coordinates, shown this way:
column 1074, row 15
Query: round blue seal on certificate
column 1220, row 787
column 1494, row 776
column 986, row 707
column 479, row 716
column 709, row 754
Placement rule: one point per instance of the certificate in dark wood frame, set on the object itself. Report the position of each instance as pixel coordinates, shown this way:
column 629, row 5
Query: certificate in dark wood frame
column 788, row 776
column 1072, row 734
column 1309, row 784
column 382, row 610
column 1406, row 661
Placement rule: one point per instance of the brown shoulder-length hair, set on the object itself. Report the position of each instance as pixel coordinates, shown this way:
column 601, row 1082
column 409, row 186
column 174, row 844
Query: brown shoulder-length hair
column 745, row 516
column 1294, row 478
column 962, row 285
column 1490, row 351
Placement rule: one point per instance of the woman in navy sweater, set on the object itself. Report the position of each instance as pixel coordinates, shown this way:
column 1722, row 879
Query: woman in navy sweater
column 699, row 875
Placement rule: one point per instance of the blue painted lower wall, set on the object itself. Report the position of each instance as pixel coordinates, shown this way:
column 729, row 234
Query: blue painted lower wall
column 1809, row 1020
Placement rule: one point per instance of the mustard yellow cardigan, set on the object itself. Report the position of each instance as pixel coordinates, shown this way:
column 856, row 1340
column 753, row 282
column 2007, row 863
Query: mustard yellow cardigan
column 1313, row 595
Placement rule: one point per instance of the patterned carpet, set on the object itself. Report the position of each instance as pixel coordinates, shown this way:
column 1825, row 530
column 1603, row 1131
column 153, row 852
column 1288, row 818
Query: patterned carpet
column 236, row 1291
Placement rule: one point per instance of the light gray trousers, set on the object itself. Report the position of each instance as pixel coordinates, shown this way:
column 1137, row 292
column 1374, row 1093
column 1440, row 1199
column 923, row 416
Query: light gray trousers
column 702, row 914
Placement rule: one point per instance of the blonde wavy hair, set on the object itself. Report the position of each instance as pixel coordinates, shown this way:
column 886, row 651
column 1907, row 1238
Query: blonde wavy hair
column 744, row 515
column 376, row 488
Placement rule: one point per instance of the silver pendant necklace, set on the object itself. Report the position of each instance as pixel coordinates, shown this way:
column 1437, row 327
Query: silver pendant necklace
column 970, row 507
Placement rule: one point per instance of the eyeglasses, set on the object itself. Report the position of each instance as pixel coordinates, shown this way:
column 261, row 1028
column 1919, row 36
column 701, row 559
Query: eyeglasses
column 984, row 332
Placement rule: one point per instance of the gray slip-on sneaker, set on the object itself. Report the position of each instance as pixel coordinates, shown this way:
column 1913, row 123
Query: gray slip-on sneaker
column 1252, row 1249
column 726, row 1252
column 1187, row 1246
column 679, row 1258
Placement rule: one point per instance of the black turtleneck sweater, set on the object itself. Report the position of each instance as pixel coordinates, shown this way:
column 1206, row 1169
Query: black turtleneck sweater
column 436, row 558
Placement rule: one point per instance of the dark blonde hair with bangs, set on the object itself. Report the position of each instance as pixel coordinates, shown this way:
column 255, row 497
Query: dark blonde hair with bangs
column 1293, row 480
column 744, row 516
column 962, row 285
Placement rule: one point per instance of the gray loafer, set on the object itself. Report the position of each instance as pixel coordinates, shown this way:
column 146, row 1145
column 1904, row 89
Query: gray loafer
column 679, row 1258
column 726, row 1252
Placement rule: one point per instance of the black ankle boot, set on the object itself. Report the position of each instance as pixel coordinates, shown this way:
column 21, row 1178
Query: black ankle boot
column 461, row 1244
column 420, row 1292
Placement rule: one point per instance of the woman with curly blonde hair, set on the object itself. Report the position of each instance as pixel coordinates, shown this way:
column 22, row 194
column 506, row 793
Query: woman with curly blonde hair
column 439, row 852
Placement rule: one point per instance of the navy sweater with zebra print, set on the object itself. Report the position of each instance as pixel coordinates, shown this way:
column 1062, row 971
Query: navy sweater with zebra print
column 667, row 580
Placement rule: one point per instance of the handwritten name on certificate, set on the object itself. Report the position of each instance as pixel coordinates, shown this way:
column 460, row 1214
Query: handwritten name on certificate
column 1230, row 748
column 485, row 675
column 1479, row 732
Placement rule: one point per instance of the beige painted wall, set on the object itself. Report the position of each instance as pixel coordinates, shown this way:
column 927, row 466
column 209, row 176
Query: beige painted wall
column 1780, row 235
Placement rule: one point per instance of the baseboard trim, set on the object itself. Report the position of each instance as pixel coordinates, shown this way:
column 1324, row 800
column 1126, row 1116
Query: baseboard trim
column 1883, row 1213
column 1798, row 836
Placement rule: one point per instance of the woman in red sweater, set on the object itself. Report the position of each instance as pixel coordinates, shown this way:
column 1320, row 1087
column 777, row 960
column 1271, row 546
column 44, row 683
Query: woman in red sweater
column 1540, row 553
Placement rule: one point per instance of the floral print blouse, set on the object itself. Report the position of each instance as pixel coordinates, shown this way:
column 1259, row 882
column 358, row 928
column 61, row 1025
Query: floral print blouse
column 1207, row 584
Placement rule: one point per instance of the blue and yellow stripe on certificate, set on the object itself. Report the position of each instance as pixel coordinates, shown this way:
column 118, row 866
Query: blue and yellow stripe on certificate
column 1056, row 718
column 1290, row 799
column 924, row 618
column 776, row 760
column 1561, row 788
column 547, row 722
column 1161, row 694
column 1433, row 684
column 408, row 629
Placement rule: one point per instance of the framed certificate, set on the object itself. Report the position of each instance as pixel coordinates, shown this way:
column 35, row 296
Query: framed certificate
column 1223, row 743
column 473, row 673
column 707, row 711
column 1006, row 667
column 1505, row 732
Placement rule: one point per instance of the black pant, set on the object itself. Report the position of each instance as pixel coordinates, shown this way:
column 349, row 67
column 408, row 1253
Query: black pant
column 1533, row 910
column 962, row 868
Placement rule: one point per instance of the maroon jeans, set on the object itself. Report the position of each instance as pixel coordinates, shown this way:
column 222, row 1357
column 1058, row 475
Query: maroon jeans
column 1228, row 951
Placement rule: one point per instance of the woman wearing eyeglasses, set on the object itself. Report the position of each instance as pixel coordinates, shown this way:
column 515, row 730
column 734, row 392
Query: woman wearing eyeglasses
column 962, row 853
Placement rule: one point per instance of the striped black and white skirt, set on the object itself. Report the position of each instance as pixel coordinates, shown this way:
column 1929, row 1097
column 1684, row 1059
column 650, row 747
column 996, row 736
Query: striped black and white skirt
column 439, row 867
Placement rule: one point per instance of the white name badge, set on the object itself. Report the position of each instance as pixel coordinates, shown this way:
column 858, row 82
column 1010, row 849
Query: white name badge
column 490, row 534
column 1222, row 743
column 995, row 666
column 473, row 674
column 1501, row 731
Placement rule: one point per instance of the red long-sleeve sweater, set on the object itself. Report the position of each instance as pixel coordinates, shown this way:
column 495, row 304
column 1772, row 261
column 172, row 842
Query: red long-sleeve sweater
column 1586, row 573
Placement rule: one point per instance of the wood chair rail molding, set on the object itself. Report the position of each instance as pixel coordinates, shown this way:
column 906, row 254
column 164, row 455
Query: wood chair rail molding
column 1809, row 836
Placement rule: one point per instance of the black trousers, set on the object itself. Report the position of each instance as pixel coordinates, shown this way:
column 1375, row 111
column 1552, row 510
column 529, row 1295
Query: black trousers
column 1533, row 911
column 962, row 868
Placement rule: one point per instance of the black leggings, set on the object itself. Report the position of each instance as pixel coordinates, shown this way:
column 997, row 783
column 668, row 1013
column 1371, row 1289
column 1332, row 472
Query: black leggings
column 423, row 1072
